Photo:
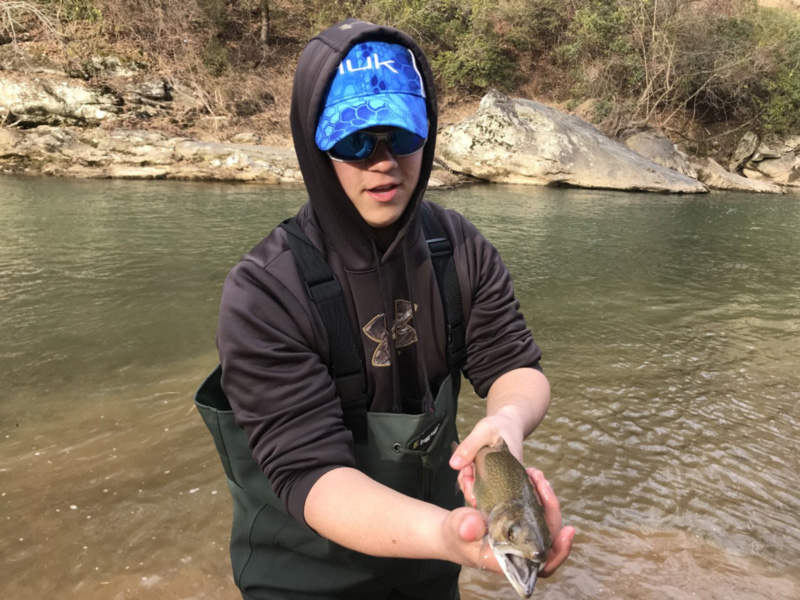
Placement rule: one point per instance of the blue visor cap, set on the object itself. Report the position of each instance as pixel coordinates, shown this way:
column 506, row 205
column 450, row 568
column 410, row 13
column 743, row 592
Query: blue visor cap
column 377, row 84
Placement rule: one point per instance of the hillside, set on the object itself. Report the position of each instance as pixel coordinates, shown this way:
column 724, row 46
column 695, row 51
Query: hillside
column 702, row 71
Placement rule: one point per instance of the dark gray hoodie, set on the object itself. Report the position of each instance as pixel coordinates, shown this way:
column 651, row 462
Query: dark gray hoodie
column 273, row 346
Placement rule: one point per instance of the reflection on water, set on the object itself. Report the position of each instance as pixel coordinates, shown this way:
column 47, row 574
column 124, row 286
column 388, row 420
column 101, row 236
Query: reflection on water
column 670, row 330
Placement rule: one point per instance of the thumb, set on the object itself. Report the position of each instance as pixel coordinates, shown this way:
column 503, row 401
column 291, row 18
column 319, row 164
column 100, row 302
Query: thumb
column 467, row 451
column 469, row 524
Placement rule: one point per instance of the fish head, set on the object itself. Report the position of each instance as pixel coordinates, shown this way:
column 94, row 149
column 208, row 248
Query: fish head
column 518, row 544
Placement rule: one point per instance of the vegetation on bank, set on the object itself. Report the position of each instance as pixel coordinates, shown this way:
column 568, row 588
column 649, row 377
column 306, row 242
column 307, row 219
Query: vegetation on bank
column 686, row 65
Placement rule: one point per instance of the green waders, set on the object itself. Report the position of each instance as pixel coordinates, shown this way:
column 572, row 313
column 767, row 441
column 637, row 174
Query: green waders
column 276, row 557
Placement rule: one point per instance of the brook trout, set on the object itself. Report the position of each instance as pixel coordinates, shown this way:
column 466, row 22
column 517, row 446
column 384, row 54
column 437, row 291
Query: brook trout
column 518, row 534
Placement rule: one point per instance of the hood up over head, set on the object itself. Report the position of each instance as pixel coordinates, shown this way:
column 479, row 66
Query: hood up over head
column 341, row 224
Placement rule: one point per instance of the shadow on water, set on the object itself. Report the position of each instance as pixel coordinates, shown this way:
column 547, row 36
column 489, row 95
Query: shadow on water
column 669, row 327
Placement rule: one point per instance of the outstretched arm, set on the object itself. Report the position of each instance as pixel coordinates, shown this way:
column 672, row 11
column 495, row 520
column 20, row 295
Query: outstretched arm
column 351, row 509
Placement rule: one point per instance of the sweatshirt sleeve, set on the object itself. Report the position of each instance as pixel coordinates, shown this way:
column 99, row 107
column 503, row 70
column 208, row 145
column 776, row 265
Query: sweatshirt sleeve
column 498, row 339
column 277, row 382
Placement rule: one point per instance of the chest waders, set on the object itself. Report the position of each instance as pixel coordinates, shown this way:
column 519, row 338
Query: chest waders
column 276, row 557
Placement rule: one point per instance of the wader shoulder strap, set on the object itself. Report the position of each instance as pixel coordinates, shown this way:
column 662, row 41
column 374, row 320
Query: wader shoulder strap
column 447, row 277
column 324, row 291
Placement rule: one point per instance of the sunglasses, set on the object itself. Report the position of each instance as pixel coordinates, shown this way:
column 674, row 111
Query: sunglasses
column 361, row 145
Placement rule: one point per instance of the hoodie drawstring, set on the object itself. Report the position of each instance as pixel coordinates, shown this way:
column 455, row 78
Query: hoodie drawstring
column 427, row 395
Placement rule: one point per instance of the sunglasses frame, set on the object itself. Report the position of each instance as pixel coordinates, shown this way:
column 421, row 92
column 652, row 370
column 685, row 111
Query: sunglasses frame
column 382, row 136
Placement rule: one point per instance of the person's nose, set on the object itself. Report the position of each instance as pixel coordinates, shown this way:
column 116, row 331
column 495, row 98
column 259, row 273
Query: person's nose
column 383, row 159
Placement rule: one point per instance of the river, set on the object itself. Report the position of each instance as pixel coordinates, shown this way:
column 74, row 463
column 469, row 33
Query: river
column 671, row 335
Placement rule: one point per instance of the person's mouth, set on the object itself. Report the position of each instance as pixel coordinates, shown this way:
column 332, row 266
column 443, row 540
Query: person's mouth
column 383, row 193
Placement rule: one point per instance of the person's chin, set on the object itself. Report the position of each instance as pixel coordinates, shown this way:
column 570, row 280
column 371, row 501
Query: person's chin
column 385, row 218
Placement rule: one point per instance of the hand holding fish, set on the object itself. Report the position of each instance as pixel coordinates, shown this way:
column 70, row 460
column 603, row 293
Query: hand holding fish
column 521, row 511
column 519, row 520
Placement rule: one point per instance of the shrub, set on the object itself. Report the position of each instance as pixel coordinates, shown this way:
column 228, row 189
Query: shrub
column 779, row 37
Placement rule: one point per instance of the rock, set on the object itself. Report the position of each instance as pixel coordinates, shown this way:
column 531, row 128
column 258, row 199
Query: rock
column 8, row 141
column 245, row 138
column 47, row 101
column 777, row 159
column 154, row 89
column 659, row 148
column 240, row 162
column 21, row 151
column 715, row 177
column 443, row 178
column 127, row 172
column 111, row 66
column 136, row 154
column 745, row 148
column 522, row 141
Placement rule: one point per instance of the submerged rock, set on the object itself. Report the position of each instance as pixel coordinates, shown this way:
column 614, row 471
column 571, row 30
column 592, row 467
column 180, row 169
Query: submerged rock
column 522, row 141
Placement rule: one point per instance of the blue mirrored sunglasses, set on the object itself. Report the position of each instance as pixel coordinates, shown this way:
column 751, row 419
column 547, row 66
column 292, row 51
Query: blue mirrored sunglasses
column 361, row 145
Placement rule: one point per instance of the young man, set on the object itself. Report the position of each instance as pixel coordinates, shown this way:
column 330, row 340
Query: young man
column 364, row 502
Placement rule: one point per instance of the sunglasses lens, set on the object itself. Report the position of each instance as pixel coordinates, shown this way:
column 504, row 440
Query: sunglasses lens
column 404, row 142
column 356, row 146
column 361, row 144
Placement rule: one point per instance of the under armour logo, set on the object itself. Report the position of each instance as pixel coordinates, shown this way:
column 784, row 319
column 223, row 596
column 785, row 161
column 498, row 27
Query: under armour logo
column 402, row 332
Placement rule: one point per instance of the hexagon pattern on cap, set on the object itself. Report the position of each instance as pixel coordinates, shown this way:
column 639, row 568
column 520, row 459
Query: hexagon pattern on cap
column 376, row 84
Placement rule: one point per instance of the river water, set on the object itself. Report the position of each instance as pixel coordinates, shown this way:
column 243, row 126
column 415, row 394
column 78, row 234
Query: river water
column 671, row 335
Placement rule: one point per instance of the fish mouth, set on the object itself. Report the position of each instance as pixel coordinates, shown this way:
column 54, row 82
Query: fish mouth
column 521, row 572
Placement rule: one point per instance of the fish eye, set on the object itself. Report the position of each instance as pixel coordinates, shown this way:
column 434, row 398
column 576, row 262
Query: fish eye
column 513, row 531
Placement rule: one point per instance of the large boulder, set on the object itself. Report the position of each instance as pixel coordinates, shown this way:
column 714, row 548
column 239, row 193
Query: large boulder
column 522, row 141
column 777, row 160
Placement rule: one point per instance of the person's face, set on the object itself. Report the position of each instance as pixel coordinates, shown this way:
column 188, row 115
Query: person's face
column 381, row 186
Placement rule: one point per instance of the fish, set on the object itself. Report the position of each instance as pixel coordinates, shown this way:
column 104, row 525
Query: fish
column 517, row 531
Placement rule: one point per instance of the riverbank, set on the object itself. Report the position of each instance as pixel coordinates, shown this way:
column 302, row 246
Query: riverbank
column 506, row 140
column 110, row 117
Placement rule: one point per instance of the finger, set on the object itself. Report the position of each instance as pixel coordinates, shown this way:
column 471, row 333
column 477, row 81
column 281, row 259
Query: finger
column 464, row 454
column 466, row 481
column 549, row 500
column 562, row 546
column 467, row 472
column 480, row 436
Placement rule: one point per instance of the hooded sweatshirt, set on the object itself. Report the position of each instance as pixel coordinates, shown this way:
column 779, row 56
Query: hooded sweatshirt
column 273, row 347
